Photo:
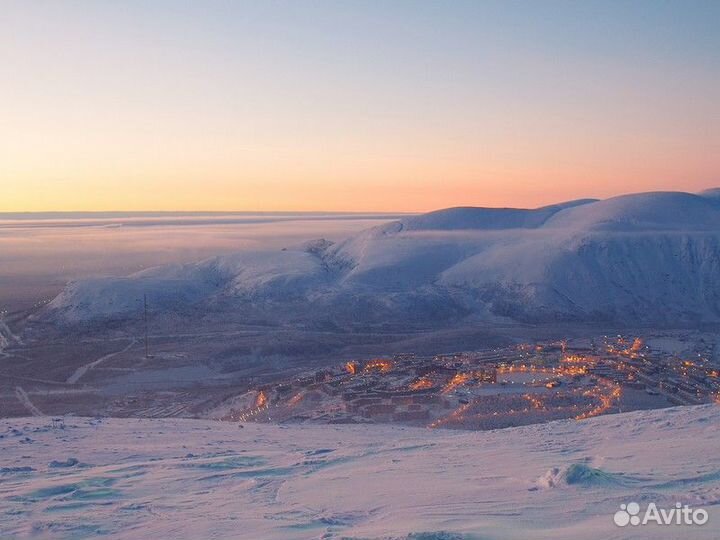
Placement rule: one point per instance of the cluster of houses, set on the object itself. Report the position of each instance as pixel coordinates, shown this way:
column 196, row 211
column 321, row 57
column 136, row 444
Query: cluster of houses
column 576, row 379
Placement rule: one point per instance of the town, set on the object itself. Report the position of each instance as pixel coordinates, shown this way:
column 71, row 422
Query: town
column 523, row 384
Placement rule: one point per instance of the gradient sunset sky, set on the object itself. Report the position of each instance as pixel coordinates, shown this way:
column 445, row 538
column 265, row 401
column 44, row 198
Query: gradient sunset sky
column 360, row 106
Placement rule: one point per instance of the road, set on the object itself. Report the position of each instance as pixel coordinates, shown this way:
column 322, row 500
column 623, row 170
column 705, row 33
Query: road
column 25, row 400
column 79, row 372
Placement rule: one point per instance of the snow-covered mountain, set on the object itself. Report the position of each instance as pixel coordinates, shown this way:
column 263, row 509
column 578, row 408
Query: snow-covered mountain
column 648, row 257
column 123, row 478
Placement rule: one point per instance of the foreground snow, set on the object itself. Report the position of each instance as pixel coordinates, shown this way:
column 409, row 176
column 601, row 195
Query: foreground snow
column 172, row 478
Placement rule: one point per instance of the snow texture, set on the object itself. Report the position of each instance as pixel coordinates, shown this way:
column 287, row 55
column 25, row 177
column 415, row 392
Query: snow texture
column 190, row 479
column 648, row 257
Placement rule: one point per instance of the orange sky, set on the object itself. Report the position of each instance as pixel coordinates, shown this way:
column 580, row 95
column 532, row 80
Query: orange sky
column 354, row 107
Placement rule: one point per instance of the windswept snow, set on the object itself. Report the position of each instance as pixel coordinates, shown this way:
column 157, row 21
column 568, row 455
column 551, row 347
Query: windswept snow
column 170, row 478
column 464, row 218
column 643, row 212
column 647, row 258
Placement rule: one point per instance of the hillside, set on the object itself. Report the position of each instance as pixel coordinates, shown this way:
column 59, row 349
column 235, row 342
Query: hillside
column 642, row 258
column 170, row 478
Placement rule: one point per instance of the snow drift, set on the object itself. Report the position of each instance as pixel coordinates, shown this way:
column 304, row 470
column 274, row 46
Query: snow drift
column 174, row 478
column 648, row 257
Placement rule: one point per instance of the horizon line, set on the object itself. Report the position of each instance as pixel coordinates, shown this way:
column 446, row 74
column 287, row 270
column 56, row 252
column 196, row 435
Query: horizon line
column 339, row 212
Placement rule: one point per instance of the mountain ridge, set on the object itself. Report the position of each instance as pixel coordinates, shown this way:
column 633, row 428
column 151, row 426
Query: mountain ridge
column 647, row 257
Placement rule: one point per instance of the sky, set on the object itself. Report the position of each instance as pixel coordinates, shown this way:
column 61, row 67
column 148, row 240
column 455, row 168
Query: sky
column 353, row 105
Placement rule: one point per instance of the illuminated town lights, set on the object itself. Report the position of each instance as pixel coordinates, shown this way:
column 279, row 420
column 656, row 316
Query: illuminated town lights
column 421, row 384
column 378, row 364
column 535, row 401
column 456, row 416
column 261, row 400
column 297, row 398
column 606, row 401
column 458, row 379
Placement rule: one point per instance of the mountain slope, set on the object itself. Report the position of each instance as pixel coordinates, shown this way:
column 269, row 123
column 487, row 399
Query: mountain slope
column 173, row 478
column 649, row 257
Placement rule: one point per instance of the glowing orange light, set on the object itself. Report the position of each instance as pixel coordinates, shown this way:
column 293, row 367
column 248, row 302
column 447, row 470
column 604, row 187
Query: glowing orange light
column 458, row 380
column 261, row 400
column 421, row 384
column 606, row 401
column 379, row 364
column 297, row 398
